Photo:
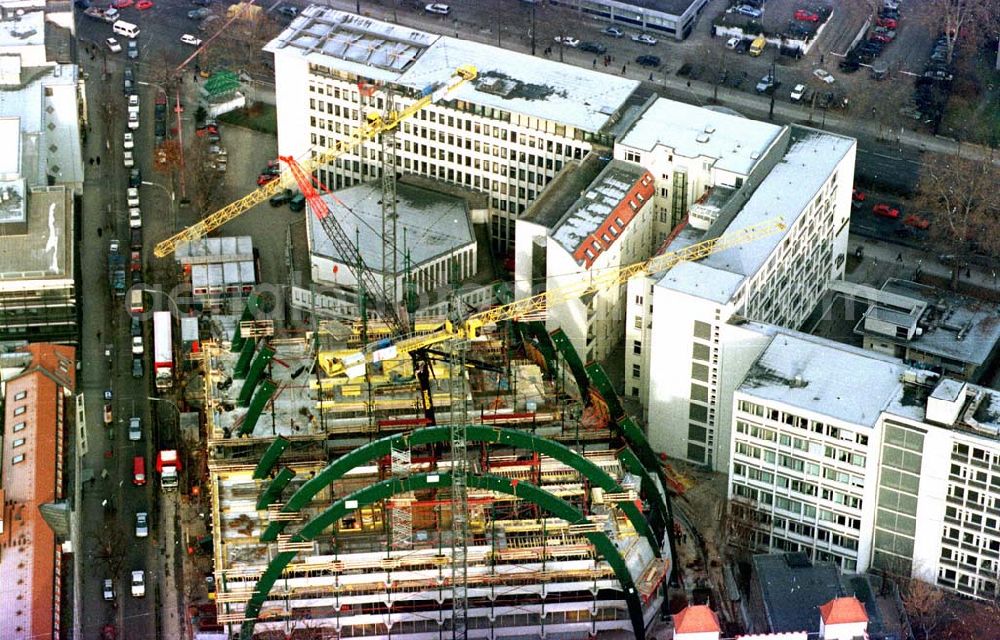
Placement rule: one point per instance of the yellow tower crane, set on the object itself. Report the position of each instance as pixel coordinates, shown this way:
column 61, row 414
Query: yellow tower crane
column 373, row 125
column 351, row 363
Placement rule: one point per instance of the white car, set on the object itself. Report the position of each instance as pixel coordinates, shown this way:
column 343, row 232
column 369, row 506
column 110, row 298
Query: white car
column 568, row 41
column 134, row 217
column 751, row 12
column 438, row 8
column 113, row 45
column 643, row 38
column 135, row 432
column 733, row 42
column 129, row 140
column 138, row 583
column 137, row 345
column 141, row 524
column 798, row 92
column 129, row 159
column 108, row 587
column 133, row 119
column 824, row 76
column 187, row 38
column 614, row 32
column 132, row 197
column 133, row 103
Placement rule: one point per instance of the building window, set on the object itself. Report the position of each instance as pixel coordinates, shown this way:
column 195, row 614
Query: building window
column 699, row 392
column 21, row 395
column 637, row 347
column 19, row 442
column 636, row 371
column 702, row 330
column 698, row 412
column 20, row 410
column 17, row 459
column 18, row 426
column 700, row 352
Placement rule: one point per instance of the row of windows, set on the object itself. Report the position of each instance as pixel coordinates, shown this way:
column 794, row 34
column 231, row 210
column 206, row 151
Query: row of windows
column 799, row 422
column 965, row 452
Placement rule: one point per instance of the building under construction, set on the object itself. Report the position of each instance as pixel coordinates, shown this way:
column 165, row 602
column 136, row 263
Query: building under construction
column 478, row 484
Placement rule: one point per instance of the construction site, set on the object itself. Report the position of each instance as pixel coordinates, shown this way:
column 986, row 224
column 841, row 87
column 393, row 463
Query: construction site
column 394, row 473
column 485, row 488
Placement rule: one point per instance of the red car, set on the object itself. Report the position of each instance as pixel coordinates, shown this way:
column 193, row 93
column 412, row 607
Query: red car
column 858, row 195
column 885, row 211
column 886, row 22
column 264, row 178
column 142, row 5
column 916, row 222
column 884, row 38
column 806, row 16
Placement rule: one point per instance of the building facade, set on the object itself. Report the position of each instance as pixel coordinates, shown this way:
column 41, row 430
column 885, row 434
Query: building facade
column 674, row 18
column 609, row 225
column 854, row 458
column 506, row 134
column 804, row 179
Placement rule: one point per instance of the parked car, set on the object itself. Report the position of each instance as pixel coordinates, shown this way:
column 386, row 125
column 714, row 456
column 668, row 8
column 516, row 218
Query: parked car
column 297, row 203
column 887, row 22
column 567, row 41
column 885, row 211
column 806, row 16
column 643, row 38
column 291, row 12
column 136, row 327
column 766, row 83
column 129, row 141
column 135, row 427
column 614, row 32
column 750, row 12
column 187, row 38
column 113, row 45
column 108, row 589
column 648, row 61
column 593, row 47
column 129, row 80
column 134, row 177
column 733, row 42
column 438, row 8
column 133, row 49
column 858, row 196
column 132, row 197
column 133, row 120
column 824, row 76
column 138, row 583
column 128, row 159
column 916, row 222
column 141, row 524
column 136, row 368
column 198, row 14
column 280, row 198
column 798, row 92
column 884, row 38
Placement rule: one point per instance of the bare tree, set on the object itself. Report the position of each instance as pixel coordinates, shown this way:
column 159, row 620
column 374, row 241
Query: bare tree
column 966, row 19
column 204, row 180
column 963, row 196
column 926, row 607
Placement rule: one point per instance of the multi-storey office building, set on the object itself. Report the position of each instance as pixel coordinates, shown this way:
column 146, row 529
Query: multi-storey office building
column 607, row 225
column 506, row 134
column 840, row 453
column 673, row 17
column 804, row 179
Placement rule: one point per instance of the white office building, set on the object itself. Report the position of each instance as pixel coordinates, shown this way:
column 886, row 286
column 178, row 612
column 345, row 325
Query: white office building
column 506, row 134
column 799, row 175
column 841, row 453
column 607, row 225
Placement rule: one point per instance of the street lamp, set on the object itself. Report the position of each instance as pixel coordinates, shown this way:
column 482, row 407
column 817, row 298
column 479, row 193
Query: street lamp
column 169, row 192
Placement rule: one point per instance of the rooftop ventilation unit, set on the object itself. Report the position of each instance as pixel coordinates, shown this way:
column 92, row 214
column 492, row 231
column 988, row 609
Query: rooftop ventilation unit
column 702, row 137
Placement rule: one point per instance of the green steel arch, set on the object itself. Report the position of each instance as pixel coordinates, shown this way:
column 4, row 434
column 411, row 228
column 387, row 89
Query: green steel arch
column 394, row 486
column 475, row 433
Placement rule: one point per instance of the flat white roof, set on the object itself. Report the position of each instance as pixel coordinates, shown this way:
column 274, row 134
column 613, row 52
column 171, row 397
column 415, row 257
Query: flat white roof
column 10, row 139
column 826, row 377
column 702, row 281
column 786, row 192
column 736, row 143
column 508, row 80
column 433, row 224
column 27, row 29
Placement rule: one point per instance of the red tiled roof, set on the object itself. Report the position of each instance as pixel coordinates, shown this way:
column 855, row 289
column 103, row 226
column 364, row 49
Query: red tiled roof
column 843, row 611
column 697, row 618
column 29, row 557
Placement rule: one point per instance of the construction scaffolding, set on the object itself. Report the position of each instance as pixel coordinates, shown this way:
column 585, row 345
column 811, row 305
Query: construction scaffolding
column 488, row 498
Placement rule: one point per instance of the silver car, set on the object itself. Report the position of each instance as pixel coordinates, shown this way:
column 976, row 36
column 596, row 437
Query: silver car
column 134, row 429
column 141, row 524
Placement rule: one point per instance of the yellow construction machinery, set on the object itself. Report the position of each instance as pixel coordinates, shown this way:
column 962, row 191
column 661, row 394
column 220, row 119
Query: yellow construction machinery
column 352, row 363
column 373, row 125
